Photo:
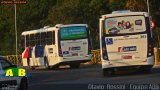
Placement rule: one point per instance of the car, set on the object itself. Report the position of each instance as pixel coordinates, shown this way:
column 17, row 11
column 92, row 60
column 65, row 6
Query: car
column 13, row 83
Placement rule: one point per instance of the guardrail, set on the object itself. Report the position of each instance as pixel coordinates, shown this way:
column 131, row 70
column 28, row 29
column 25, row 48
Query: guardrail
column 96, row 57
column 156, row 55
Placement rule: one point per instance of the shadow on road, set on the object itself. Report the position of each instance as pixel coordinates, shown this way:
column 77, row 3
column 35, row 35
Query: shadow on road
column 67, row 67
column 133, row 72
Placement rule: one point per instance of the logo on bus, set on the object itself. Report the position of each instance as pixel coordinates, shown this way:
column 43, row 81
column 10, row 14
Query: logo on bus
column 127, row 49
column 109, row 41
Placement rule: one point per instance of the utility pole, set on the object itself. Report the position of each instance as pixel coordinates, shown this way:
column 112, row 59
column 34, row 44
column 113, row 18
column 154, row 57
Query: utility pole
column 148, row 7
column 15, row 14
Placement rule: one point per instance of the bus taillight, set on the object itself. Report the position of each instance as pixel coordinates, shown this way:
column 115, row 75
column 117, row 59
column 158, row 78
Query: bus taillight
column 150, row 50
column 60, row 52
column 104, row 52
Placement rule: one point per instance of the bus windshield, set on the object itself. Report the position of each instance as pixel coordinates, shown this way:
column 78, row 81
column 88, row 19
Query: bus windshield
column 125, row 25
column 71, row 33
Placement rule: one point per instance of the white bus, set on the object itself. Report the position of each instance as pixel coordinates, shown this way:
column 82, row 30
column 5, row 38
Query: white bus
column 126, row 42
column 55, row 46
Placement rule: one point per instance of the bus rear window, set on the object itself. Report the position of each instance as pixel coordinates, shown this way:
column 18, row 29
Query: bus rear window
column 70, row 33
column 125, row 24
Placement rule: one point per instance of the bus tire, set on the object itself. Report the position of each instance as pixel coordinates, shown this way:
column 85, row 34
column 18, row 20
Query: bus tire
column 108, row 72
column 32, row 68
column 145, row 69
column 74, row 65
column 55, row 67
column 46, row 64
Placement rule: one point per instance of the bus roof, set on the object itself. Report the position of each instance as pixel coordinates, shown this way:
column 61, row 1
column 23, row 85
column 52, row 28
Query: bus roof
column 38, row 30
column 70, row 25
column 125, row 14
column 46, row 28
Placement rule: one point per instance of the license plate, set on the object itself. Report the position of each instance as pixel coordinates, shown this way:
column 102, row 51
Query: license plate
column 127, row 57
column 75, row 54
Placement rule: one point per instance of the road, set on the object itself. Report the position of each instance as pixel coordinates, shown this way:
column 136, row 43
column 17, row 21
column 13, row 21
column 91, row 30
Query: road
column 89, row 77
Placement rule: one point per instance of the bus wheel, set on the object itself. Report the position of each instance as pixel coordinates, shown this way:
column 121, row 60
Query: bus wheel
column 46, row 65
column 145, row 69
column 55, row 67
column 32, row 68
column 108, row 72
column 74, row 65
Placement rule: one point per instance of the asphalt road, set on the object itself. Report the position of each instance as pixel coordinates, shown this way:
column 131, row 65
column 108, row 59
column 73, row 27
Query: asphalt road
column 89, row 77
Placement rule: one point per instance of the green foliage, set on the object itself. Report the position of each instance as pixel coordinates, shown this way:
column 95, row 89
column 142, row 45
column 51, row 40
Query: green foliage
column 39, row 13
column 117, row 5
column 6, row 28
column 30, row 16
column 80, row 11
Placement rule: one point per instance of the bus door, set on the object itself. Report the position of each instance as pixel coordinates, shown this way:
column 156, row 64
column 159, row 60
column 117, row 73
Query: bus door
column 50, row 48
column 125, row 38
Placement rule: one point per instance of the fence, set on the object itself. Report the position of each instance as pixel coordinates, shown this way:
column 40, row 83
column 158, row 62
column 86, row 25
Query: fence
column 13, row 60
column 156, row 55
column 95, row 58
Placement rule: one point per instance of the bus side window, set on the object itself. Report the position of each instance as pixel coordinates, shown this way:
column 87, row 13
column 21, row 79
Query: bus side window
column 22, row 44
column 27, row 41
column 49, row 38
column 32, row 40
column 38, row 39
column 53, row 37
column 43, row 36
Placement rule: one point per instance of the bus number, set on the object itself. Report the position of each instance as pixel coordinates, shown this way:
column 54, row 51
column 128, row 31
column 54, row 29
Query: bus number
column 143, row 36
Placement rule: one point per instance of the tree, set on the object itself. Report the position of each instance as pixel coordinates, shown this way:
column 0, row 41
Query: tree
column 116, row 5
column 80, row 11
column 6, row 28
column 136, row 5
column 32, row 15
column 39, row 13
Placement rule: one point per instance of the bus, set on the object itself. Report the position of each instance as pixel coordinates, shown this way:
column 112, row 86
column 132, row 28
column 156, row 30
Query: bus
column 126, row 42
column 54, row 46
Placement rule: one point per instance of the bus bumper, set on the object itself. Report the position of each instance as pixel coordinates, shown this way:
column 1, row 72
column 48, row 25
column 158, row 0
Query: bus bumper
column 79, row 58
column 124, row 63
